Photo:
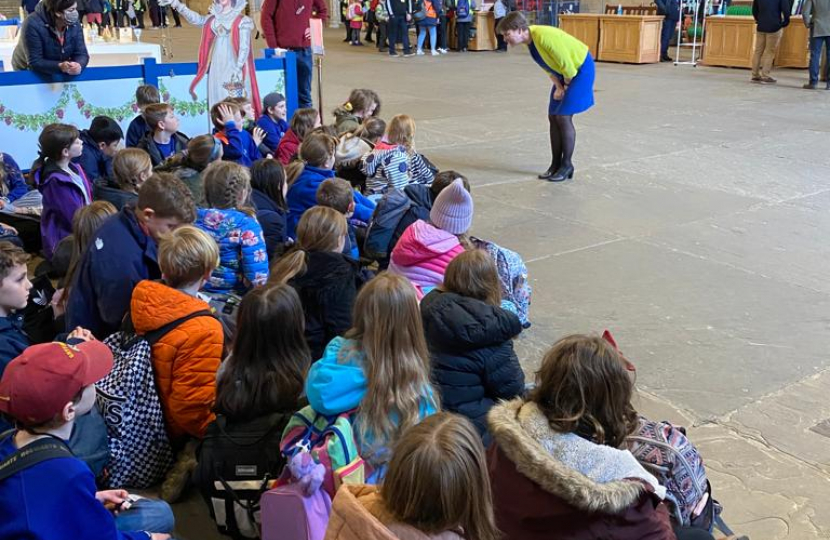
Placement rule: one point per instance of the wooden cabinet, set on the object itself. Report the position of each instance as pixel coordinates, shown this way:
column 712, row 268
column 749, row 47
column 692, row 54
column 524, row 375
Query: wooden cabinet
column 794, row 50
column 632, row 39
column 584, row 27
column 729, row 41
column 485, row 38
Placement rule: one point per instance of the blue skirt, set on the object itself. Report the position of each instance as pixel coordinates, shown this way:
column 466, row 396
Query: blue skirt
column 579, row 97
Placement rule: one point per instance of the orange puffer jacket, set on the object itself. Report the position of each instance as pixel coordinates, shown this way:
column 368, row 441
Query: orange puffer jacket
column 185, row 361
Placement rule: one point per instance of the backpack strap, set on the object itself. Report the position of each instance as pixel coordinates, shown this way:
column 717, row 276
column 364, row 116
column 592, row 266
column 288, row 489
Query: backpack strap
column 154, row 336
column 31, row 454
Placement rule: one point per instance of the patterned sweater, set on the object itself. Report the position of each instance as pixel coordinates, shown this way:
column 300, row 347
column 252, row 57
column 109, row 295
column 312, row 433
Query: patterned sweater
column 394, row 168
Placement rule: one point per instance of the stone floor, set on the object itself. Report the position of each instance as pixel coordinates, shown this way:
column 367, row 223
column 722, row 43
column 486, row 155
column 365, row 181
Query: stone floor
column 692, row 230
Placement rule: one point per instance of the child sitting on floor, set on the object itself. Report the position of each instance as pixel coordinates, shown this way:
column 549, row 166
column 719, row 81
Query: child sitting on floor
column 397, row 167
column 336, row 193
column 243, row 257
column 238, row 145
column 63, row 184
column 303, row 121
column 145, row 95
column 273, row 120
column 163, row 139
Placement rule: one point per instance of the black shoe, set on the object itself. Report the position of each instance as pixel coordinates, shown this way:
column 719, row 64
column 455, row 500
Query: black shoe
column 548, row 173
column 666, row 58
column 564, row 173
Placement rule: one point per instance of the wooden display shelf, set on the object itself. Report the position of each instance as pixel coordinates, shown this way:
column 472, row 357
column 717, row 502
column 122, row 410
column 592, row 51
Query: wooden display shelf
column 633, row 39
column 584, row 27
column 794, row 50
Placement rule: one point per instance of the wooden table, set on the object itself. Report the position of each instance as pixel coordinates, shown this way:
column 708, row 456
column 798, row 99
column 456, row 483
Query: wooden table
column 633, row 39
column 730, row 42
column 584, row 27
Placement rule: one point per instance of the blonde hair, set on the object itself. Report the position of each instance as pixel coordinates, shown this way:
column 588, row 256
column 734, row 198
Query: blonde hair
column 320, row 229
column 473, row 274
column 186, row 255
column 437, row 479
column 127, row 167
column 401, row 130
column 225, row 183
column 387, row 324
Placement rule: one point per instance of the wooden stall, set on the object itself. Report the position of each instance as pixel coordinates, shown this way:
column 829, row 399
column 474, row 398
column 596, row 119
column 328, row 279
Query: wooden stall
column 584, row 27
column 485, row 34
column 633, row 39
column 730, row 42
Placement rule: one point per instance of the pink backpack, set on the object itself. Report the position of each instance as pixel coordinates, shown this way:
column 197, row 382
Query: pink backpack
column 288, row 514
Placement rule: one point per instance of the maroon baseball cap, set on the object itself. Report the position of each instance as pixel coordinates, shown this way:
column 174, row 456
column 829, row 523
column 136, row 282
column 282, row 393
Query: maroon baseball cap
column 37, row 384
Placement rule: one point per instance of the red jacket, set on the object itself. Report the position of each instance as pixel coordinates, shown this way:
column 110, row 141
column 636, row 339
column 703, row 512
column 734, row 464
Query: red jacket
column 288, row 147
column 538, row 497
column 284, row 27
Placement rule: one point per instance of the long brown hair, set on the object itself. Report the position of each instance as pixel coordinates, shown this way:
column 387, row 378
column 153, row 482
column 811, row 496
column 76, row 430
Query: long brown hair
column 437, row 479
column 53, row 140
column 583, row 388
column 387, row 324
column 320, row 229
column 315, row 150
column 225, row 183
column 266, row 370
column 85, row 223
column 127, row 167
column 473, row 274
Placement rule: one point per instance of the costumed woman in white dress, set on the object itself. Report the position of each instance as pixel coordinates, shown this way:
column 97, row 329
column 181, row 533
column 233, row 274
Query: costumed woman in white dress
column 225, row 54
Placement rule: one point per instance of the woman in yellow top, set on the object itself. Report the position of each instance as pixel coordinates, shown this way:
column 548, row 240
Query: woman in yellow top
column 571, row 68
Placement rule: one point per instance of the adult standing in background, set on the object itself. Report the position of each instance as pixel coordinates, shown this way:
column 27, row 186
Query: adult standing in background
column 52, row 41
column 771, row 16
column 286, row 25
column 28, row 6
column 816, row 15
column 671, row 10
column 400, row 14
column 500, row 9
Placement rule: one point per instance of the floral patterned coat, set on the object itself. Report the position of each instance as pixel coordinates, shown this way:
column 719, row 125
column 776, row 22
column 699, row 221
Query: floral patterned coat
column 243, row 261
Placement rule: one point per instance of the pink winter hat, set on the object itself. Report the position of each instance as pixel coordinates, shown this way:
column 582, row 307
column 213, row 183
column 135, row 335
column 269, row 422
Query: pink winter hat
column 453, row 209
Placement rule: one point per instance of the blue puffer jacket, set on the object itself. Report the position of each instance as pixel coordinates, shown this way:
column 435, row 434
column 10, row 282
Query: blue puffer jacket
column 302, row 195
column 93, row 161
column 39, row 48
column 243, row 259
column 337, row 383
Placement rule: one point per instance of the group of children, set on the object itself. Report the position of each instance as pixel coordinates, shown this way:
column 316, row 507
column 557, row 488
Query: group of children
column 256, row 281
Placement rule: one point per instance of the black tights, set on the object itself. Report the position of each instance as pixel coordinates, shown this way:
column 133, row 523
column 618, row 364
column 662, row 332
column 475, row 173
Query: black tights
column 562, row 140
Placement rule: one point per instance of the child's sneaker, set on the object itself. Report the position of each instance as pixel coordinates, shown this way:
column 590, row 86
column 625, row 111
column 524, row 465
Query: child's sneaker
column 420, row 52
column 443, row 51
column 434, row 53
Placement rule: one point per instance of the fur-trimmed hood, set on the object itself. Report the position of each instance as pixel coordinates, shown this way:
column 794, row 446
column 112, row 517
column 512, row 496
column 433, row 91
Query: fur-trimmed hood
column 518, row 427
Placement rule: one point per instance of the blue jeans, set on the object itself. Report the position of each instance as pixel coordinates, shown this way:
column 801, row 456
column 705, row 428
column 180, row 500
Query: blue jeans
column 149, row 515
column 815, row 57
column 422, row 34
column 305, row 68
column 398, row 29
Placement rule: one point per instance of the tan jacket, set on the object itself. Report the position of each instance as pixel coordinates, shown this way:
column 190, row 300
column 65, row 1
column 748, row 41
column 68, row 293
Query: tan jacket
column 358, row 513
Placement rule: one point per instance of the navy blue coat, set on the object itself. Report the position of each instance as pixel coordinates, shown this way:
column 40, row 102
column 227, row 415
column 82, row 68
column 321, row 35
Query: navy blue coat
column 13, row 340
column 669, row 8
column 473, row 361
column 94, row 162
column 118, row 258
column 107, row 190
column 136, row 131
column 272, row 219
column 39, row 48
column 771, row 15
column 15, row 182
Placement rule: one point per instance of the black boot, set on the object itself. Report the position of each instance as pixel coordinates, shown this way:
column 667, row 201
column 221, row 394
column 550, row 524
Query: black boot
column 565, row 172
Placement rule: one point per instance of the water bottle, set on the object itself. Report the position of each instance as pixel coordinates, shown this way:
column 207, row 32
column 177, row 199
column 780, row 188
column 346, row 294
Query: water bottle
column 619, row 9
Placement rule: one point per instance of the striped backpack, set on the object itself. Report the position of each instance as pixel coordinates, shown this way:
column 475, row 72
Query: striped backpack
column 664, row 450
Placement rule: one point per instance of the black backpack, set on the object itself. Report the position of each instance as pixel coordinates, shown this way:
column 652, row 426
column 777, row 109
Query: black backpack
column 236, row 464
column 388, row 214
